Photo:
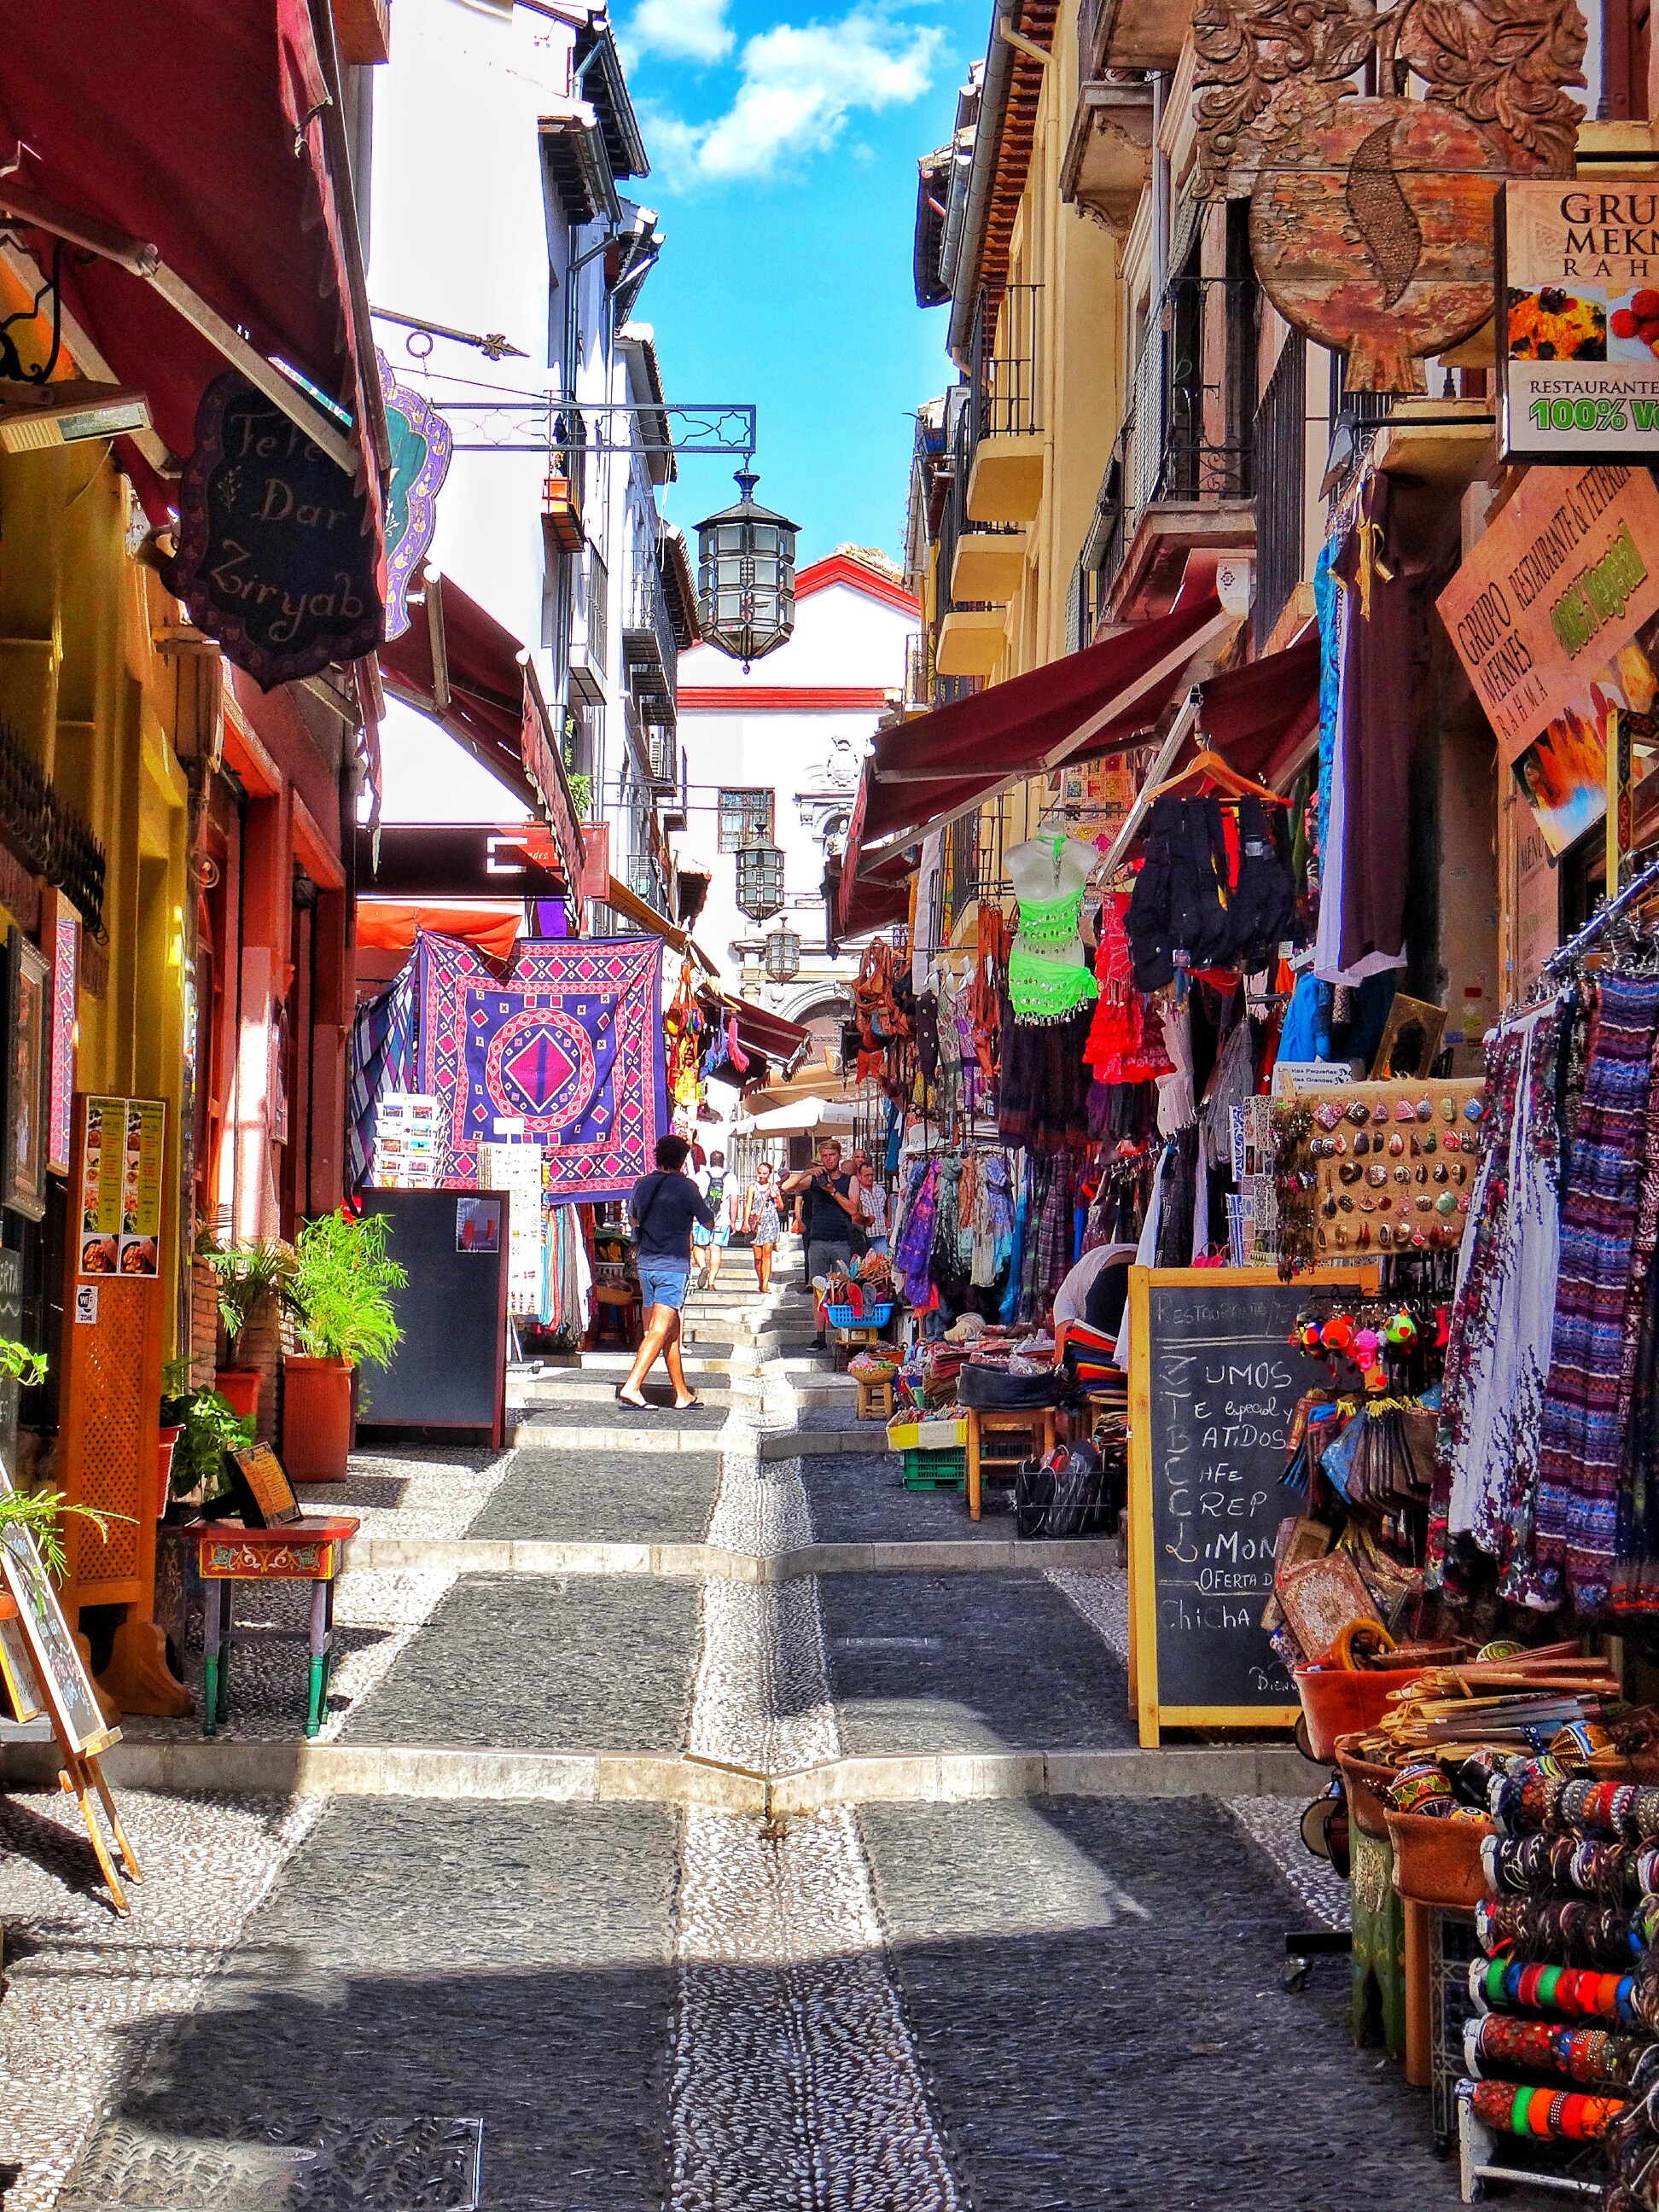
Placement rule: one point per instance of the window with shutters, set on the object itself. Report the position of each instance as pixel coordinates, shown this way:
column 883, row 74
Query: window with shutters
column 746, row 819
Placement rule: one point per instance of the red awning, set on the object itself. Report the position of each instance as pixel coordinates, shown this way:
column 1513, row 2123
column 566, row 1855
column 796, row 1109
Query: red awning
column 460, row 667
column 940, row 766
column 759, row 1030
column 206, row 130
column 1259, row 716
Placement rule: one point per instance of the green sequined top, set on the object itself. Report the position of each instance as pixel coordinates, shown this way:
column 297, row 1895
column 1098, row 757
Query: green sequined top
column 1041, row 987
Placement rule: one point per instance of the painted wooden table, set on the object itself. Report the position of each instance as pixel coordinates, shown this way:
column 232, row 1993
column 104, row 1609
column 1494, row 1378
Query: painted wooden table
column 305, row 1551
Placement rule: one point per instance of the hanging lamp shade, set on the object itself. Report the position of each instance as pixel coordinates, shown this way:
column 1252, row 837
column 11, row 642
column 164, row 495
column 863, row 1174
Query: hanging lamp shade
column 782, row 956
column 746, row 576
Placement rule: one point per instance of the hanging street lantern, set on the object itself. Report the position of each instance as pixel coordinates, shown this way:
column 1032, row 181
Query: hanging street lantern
column 783, row 954
column 746, row 577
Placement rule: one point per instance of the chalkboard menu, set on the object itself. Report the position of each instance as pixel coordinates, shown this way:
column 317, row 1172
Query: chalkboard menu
column 450, row 1370
column 1213, row 1385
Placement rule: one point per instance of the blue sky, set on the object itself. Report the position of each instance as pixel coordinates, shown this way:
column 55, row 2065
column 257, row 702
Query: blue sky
column 783, row 144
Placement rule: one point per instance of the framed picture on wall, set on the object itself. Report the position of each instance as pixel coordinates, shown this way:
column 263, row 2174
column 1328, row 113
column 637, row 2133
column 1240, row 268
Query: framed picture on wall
column 29, row 1004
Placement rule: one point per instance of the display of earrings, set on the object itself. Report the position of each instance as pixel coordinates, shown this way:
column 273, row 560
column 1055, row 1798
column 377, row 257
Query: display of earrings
column 1376, row 1167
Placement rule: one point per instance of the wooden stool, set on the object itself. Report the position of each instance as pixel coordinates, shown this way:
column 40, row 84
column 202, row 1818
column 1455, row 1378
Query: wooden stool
column 1039, row 1427
column 875, row 1399
column 622, row 1301
column 305, row 1551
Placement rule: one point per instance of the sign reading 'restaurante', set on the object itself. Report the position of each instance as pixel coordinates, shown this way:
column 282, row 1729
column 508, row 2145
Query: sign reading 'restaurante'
column 1555, row 590
column 1578, row 320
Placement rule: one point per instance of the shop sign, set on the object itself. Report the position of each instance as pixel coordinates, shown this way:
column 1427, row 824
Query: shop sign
column 421, row 446
column 65, row 992
column 1554, row 617
column 277, row 553
column 1578, row 304
column 1371, row 218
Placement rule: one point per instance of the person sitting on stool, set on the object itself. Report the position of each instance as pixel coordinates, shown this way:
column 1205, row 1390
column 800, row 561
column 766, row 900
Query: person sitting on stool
column 830, row 1213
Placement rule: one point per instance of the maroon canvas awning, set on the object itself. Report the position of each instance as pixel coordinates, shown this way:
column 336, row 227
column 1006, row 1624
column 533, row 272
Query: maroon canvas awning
column 940, row 766
column 1258, row 716
column 461, row 667
column 206, row 130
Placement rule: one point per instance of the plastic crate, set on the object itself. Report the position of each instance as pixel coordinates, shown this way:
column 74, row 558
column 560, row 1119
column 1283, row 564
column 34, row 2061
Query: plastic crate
column 872, row 1317
column 936, row 1470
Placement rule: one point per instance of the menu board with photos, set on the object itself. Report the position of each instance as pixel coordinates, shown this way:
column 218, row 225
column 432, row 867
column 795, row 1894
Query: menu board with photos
column 121, row 1184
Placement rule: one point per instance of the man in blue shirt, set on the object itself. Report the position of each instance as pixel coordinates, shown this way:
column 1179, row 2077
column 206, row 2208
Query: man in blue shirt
column 830, row 1213
column 664, row 1207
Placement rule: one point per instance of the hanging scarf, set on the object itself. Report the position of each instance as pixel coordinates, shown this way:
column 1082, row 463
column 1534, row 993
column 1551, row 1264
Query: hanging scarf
column 1582, row 1445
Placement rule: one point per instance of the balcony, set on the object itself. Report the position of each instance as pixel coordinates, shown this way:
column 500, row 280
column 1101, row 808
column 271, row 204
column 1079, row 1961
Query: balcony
column 1130, row 34
column 1004, row 436
column 1181, row 475
column 989, row 564
column 1107, row 162
column 651, row 656
column 562, row 492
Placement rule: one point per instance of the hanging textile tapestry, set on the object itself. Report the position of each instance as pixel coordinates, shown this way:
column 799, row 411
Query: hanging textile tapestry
column 565, row 1049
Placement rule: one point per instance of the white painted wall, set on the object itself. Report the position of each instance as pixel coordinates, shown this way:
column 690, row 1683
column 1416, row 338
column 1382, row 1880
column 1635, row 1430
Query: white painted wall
column 844, row 638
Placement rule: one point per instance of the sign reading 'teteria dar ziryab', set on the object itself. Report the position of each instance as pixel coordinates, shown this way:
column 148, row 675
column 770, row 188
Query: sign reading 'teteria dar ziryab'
column 1578, row 308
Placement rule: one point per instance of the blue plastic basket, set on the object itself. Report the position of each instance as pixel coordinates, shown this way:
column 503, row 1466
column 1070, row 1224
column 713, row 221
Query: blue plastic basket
column 872, row 1317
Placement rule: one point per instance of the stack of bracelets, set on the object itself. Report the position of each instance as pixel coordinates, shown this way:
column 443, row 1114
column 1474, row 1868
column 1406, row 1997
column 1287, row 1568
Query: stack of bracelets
column 1565, row 2046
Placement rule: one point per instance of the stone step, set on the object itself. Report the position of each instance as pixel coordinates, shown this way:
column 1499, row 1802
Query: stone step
column 813, row 1444
column 646, row 1432
column 695, row 1562
column 357, row 1769
column 594, row 1389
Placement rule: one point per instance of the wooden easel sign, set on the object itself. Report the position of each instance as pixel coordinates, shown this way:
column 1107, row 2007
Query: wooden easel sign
column 43, row 1669
column 1214, row 1384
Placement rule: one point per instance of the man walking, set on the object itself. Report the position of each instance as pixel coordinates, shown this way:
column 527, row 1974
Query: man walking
column 664, row 1207
column 829, row 1211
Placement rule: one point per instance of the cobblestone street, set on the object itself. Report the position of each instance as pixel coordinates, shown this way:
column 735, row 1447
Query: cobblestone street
column 682, row 1835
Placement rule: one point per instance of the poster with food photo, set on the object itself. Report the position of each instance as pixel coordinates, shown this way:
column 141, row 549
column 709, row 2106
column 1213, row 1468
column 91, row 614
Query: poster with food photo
column 1578, row 320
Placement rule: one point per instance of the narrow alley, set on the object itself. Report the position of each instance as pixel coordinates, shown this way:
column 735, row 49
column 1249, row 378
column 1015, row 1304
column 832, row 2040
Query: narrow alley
column 700, row 1820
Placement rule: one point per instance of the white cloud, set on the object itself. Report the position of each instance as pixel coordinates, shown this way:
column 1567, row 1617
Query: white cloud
column 686, row 30
column 799, row 85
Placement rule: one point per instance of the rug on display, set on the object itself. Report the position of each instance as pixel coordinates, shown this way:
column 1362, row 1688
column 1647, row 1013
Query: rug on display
column 563, row 1049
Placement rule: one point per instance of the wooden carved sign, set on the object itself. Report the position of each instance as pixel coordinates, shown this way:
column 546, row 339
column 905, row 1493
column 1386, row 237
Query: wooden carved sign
column 1371, row 216
column 275, row 557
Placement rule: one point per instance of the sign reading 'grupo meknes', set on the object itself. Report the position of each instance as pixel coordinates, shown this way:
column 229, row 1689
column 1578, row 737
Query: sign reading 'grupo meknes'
column 1578, row 318
column 1553, row 592
column 275, row 559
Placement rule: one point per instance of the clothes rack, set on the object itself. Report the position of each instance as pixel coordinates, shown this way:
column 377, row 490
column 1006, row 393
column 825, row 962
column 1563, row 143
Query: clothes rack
column 1617, row 908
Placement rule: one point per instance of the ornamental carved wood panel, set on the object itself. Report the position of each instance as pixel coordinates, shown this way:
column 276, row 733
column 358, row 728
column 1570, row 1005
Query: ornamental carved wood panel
column 1371, row 214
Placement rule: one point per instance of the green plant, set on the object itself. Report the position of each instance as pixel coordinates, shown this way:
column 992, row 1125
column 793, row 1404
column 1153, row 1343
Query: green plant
column 208, row 1429
column 581, row 793
column 25, row 1367
column 340, row 1289
column 41, row 1512
column 244, row 1273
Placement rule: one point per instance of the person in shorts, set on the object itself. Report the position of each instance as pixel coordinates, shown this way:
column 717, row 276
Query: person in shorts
column 665, row 1207
column 708, row 1244
column 830, row 1214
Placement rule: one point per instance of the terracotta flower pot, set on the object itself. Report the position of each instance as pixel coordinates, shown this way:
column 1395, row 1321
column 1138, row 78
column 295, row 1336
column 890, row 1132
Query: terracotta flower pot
column 165, row 1440
column 316, row 1418
column 240, row 1389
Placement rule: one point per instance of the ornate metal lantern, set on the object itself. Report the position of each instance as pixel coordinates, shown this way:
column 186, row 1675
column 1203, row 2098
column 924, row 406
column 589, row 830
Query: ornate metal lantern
column 746, row 576
column 782, row 954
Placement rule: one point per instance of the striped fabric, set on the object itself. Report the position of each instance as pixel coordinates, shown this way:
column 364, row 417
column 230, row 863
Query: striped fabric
column 1581, row 1442
column 381, row 1058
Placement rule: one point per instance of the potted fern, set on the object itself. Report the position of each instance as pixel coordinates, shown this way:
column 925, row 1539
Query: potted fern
column 340, row 1293
column 253, row 1277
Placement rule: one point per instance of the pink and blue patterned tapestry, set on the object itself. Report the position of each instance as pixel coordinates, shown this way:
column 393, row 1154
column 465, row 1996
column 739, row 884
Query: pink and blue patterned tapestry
column 563, row 1049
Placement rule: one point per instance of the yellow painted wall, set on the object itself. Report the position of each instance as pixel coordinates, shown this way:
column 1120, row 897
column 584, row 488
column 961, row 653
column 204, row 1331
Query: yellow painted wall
column 1080, row 376
column 96, row 705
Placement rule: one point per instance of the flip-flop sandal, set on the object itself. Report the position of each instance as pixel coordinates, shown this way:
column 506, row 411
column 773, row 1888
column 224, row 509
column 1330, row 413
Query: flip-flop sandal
column 635, row 1404
column 688, row 1405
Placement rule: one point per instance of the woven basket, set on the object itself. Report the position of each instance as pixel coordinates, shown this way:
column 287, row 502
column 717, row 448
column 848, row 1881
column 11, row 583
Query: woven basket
column 1368, row 1807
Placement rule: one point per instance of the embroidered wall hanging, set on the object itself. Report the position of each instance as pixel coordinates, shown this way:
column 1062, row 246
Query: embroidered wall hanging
column 564, row 1049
